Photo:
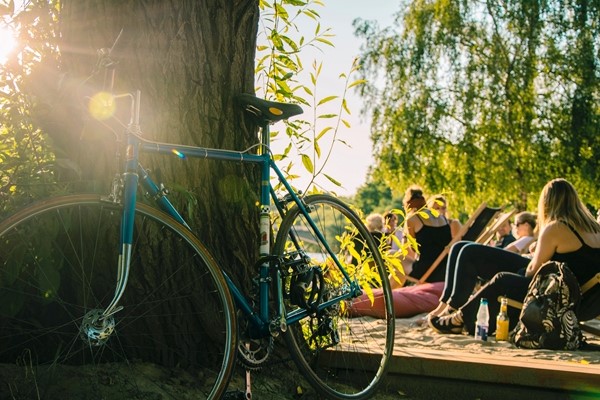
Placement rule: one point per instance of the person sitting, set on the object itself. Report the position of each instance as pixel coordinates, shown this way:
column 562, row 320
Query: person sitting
column 398, row 258
column 468, row 265
column 431, row 232
column 525, row 233
column 440, row 204
column 391, row 229
column 568, row 233
column 504, row 235
column 375, row 225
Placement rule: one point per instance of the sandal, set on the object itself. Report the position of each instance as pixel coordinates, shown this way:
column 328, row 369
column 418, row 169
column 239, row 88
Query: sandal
column 441, row 310
column 451, row 323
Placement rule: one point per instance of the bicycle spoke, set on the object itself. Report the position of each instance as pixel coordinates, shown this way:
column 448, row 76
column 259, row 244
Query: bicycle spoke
column 58, row 271
column 342, row 356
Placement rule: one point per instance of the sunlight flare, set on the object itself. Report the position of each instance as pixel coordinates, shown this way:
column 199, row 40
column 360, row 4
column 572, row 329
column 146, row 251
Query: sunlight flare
column 8, row 42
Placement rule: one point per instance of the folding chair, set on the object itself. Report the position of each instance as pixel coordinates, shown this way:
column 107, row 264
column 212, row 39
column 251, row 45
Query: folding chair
column 481, row 223
column 471, row 229
column 488, row 234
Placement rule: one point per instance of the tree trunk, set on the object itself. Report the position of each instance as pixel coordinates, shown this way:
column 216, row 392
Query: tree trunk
column 189, row 59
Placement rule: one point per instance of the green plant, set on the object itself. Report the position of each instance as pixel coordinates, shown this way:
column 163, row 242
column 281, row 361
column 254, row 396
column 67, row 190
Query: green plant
column 282, row 76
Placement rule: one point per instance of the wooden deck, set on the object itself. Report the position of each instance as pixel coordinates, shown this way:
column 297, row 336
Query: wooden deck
column 497, row 369
column 554, row 375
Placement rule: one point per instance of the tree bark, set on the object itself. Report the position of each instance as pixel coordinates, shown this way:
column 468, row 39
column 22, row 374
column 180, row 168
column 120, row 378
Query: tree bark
column 189, row 59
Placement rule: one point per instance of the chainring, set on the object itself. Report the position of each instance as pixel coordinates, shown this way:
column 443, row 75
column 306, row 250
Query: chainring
column 252, row 352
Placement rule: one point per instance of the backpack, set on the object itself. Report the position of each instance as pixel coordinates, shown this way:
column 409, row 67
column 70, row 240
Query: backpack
column 548, row 319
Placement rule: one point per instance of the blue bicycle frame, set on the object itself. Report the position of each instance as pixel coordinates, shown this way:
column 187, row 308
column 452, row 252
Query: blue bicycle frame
column 262, row 322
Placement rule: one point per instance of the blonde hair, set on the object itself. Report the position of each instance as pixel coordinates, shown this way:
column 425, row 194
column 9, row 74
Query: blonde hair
column 559, row 202
column 374, row 222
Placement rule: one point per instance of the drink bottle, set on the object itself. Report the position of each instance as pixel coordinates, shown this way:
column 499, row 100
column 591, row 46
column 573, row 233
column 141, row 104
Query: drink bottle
column 483, row 321
column 502, row 321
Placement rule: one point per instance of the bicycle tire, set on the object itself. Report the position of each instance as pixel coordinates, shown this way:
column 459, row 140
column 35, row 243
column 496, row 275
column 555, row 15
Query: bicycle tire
column 58, row 261
column 353, row 367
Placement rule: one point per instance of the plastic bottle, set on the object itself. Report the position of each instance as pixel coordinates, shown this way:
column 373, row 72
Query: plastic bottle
column 483, row 321
column 502, row 321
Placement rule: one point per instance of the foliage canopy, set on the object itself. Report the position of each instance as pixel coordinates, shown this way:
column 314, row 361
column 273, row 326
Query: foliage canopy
column 487, row 100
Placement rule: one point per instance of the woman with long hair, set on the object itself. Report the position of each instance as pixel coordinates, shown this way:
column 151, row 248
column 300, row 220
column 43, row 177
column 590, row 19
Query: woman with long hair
column 567, row 233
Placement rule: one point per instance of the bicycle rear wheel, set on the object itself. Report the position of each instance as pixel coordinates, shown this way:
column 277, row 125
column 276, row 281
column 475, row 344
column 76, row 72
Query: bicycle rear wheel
column 343, row 355
column 174, row 337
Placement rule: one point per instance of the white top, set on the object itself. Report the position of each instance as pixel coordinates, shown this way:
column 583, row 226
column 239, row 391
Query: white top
column 394, row 246
column 522, row 243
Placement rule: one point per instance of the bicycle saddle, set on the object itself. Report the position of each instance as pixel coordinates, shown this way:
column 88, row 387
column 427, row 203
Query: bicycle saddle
column 266, row 111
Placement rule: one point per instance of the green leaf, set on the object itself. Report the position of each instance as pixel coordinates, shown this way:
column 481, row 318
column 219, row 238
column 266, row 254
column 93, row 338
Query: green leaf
column 325, row 41
column 345, row 106
column 297, row 3
column 323, row 132
column 310, row 14
column 357, row 82
column 307, row 90
column 333, row 180
column 423, row 214
column 307, row 162
column 281, row 11
column 326, row 99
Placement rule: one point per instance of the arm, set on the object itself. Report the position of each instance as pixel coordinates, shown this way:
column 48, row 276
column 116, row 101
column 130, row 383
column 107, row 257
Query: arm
column 410, row 228
column 455, row 226
column 545, row 248
column 520, row 245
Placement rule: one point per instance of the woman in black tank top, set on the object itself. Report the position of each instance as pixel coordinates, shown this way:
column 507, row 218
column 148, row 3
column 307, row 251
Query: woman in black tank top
column 432, row 234
column 568, row 233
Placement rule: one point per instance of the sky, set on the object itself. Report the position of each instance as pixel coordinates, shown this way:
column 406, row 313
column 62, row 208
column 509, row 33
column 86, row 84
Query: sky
column 348, row 165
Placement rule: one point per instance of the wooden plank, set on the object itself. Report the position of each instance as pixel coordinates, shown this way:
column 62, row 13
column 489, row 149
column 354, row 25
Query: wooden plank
column 485, row 368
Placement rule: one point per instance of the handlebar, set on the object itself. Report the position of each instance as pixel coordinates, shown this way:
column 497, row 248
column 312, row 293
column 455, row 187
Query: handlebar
column 105, row 99
column 107, row 64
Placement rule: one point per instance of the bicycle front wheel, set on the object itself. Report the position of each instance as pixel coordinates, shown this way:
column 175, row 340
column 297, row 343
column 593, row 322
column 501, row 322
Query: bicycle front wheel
column 174, row 336
column 343, row 355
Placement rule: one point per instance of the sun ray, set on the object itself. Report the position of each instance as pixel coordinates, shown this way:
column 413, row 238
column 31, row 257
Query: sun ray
column 8, row 42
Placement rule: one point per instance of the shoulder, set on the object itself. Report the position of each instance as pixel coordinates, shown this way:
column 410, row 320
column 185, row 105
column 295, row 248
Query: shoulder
column 413, row 224
column 555, row 229
column 434, row 221
column 455, row 222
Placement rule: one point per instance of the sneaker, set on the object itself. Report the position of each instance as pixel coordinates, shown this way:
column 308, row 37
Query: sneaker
column 451, row 323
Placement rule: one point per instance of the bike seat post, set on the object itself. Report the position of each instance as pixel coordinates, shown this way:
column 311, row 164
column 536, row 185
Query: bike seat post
column 265, row 138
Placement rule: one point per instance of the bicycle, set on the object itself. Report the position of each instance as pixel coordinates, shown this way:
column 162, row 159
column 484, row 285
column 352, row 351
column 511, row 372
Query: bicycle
column 62, row 304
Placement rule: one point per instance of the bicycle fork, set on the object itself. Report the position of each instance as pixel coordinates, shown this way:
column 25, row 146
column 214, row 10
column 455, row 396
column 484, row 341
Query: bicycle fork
column 98, row 325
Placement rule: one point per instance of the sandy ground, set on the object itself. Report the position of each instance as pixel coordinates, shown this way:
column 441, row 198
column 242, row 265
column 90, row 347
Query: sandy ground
column 281, row 380
column 414, row 333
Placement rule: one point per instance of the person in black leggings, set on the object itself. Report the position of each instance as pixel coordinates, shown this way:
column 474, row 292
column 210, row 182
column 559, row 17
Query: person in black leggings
column 470, row 263
column 568, row 233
